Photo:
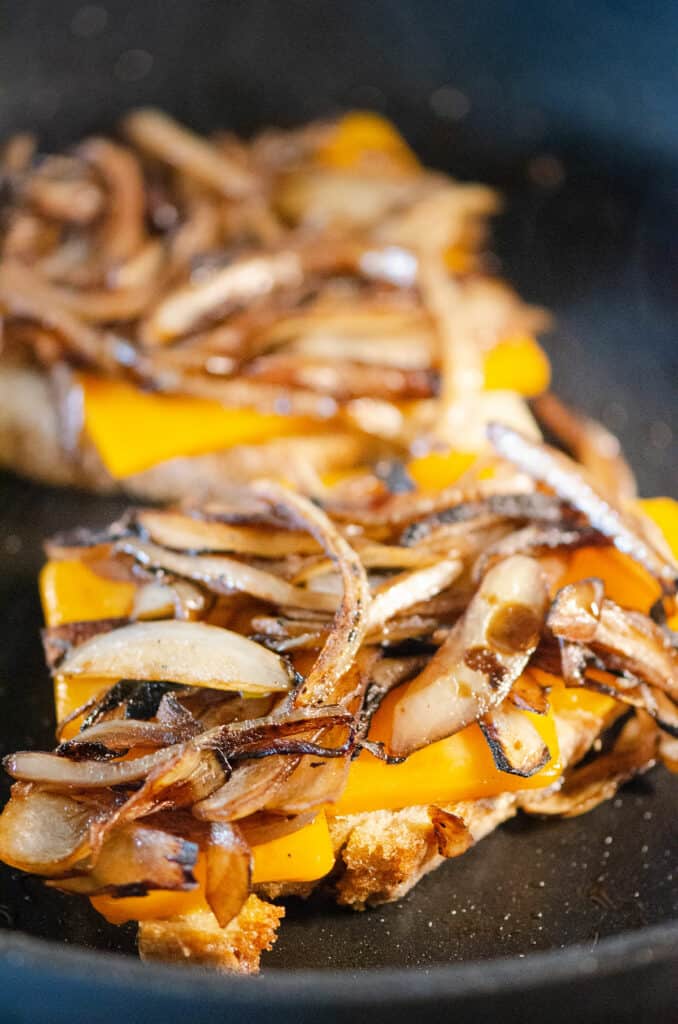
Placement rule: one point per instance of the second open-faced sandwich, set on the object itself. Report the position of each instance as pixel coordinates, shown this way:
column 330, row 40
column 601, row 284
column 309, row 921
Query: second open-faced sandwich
column 180, row 312
column 268, row 693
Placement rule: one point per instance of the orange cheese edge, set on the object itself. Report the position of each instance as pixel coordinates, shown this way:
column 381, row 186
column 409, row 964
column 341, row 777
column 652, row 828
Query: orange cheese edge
column 360, row 136
column 458, row 768
column 517, row 363
column 134, row 430
column 72, row 592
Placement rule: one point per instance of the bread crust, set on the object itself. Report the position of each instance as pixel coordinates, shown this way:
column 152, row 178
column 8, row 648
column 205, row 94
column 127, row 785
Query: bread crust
column 197, row 938
column 30, row 433
column 383, row 854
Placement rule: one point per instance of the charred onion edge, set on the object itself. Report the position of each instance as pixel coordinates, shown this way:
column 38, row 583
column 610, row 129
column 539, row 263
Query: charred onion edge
column 496, row 728
column 598, row 450
column 565, row 477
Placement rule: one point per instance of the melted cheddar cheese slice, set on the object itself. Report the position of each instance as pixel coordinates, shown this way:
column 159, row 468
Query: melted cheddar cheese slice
column 361, row 136
column 458, row 768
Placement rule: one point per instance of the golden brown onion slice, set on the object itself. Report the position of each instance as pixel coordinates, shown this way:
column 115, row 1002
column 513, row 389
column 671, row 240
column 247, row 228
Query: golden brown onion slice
column 403, row 351
column 122, row 233
column 193, row 653
column 322, row 685
column 45, row 833
column 627, row 640
column 409, row 588
column 481, row 659
column 135, row 860
column 229, row 870
column 154, row 601
column 197, row 762
column 24, row 294
column 224, row 575
column 179, row 599
column 198, row 534
column 342, row 380
column 536, row 539
column 36, row 766
column 568, row 480
column 253, row 787
column 452, row 834
column 165, row 139
column 245, row 280
column 517, row 747
column 57, row 641
column 64, row 189
column 127, row 733
column 576, row 609
column 528, row 695
column 317, row 782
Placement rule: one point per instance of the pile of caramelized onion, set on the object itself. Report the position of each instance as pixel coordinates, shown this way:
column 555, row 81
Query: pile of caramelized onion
column 267, row 629
column 294, row 273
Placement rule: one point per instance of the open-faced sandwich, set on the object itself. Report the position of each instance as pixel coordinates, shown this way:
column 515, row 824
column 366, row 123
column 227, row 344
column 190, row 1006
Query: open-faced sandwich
column 179, row 312
column 265, row 694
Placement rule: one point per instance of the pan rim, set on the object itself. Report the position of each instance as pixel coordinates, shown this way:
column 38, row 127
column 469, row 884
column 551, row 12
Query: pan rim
column 636, row 950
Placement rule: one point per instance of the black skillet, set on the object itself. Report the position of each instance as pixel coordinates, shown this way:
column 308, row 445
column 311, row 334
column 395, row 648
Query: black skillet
column 570, row 109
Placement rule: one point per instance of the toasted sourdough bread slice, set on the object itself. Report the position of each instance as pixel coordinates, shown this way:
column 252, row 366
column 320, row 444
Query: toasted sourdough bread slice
column 380, row 856
column 30, row 444
column 385, row 853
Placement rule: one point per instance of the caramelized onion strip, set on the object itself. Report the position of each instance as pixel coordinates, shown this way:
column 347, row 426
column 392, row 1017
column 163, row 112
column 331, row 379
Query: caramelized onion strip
column 598, row 450
column 625, row 639
column 193, row 653
column 477, row 665
column 163, row 138
column 225, row 575
column 567, row 479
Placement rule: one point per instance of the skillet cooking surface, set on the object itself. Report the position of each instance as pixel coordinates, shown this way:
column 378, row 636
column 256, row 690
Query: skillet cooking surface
column 530, row 886
column 600, row 251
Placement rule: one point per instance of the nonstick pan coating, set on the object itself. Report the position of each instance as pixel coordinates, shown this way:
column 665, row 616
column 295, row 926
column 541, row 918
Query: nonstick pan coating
column 585, row 911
